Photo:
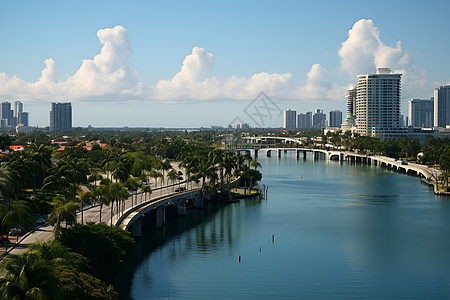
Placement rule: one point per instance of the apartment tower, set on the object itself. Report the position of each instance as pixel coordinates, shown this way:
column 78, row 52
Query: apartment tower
column 442, row 106
column 421, row 113
column 378, row 103
column 290, row 119
column 61, row 117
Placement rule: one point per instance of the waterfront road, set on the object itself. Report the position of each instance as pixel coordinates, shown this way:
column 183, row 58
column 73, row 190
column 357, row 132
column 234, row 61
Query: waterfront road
column 44, row 232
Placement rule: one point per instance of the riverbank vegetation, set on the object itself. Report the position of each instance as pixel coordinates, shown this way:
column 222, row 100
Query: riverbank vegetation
column 83, row 264
column 50, row 178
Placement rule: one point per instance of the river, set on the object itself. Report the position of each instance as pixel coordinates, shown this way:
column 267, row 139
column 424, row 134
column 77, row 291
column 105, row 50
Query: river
column 328, row 230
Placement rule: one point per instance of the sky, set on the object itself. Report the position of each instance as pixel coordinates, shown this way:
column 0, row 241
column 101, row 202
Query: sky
column 204, row 63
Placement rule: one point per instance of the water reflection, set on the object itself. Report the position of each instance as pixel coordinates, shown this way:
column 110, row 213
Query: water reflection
column 342, row 231
column 375, row 199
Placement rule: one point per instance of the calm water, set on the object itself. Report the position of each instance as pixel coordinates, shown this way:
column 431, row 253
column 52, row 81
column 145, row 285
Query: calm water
column 340, row 231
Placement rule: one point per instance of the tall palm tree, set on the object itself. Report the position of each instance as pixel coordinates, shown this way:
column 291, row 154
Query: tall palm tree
column 15, row 213
column 116, row 194
column 94, row 177
column 173, row 175
column 165, row 166
column 146, row 190
column 63, row 210
column 101, row 192
column 132, row 184
column 83, row 196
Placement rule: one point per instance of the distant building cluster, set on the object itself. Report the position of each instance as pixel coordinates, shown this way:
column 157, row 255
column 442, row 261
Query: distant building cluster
column 13, row 117
column 308, row 120
column 373, row 109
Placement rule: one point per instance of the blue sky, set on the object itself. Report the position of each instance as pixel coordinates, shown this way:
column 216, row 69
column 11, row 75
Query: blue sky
column 199, row 63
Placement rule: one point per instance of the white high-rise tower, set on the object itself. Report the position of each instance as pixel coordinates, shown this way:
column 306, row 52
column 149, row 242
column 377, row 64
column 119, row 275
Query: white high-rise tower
column 378, row 103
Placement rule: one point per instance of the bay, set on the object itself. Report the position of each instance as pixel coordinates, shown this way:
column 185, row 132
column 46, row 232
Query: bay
column 328, row 230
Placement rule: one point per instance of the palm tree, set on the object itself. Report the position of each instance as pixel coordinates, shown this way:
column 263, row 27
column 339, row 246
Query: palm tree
column 173, row 175
column 9, row 183
column 156, row 175
column 255, row 164
column 83, row 196
column 165, row 166
column 94, row 177
column 132, row 184
column 101, row 192
column 107, row 161
column 28, row 276
column 229, row 164
column 13, row 213
column 120, row 169
column 116, row 193
column 146, row 190
column 63, row 210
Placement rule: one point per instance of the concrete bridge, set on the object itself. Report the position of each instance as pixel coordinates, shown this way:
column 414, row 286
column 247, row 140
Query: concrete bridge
column 131, row 220
column 174, row 204
column 351, row 157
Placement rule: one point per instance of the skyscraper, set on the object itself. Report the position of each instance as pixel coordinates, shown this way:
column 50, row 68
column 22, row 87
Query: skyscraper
column 378, row 103
column 442, row 106
column 61, row 117
column 319, row 119
column 335, row 118
column 421, row 113
column 18, row 108
column 23, row 119
column 290, row 119
column 6, row 114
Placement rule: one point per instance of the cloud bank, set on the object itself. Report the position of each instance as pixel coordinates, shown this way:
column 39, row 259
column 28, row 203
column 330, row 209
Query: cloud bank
column 108, row 78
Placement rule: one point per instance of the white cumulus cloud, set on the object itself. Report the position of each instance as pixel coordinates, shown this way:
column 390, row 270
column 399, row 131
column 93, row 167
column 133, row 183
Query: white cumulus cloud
column 107, row 76
column 363, row 52
column 192, row 82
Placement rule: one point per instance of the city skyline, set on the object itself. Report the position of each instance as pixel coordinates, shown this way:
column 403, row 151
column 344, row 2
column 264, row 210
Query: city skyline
column 179, row 72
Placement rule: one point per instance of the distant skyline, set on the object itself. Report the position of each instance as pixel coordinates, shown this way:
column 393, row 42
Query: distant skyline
column 201, row 63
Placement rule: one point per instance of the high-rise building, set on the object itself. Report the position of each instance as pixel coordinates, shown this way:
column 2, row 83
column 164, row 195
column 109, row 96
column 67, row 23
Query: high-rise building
column 18, row 109
column 6, row 114
column 304, row 121
column 378, row 103
column 421, row 113
column 309, row 118
column 61, row 117
column 442, row 106
column 290, row 119
column 351, row 103
column 319, row 119
column 23, row 119
column 335, row 118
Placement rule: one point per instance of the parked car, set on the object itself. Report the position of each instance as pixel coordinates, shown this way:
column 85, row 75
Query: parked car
column 180, row 189
column 41, row 220
column 15, row 231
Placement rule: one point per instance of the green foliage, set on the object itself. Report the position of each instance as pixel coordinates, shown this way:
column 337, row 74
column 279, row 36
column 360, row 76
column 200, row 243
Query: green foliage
column 29, row 276
column 444, row 164
column 50, row 271
column 5, row 141
column 251, row 176
column 105, row 246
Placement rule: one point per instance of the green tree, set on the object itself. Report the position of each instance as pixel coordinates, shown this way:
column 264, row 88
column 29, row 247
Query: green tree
column 63, row 210
column 444, row 165
column 105, row 244
column 28, row 276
